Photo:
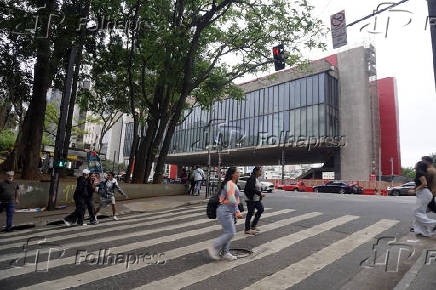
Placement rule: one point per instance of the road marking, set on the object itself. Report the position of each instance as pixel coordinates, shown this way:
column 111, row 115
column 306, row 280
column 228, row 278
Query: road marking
column 301, row 270
column 204, row 272
column 99, row 230
column 90, row 276
column 19, row 235
column 11, row 272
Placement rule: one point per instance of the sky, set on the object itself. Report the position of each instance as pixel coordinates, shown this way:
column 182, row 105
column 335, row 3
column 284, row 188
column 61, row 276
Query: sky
column 405, row 54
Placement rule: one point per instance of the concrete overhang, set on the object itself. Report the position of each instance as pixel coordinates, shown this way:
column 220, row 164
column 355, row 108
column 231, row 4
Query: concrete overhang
column 256, row 156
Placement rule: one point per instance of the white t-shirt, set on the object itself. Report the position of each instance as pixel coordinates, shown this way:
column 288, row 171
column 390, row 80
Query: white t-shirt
column 198, row 174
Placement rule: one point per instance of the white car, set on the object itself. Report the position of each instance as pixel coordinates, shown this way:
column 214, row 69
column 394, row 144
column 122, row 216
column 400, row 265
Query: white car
column 266, row 186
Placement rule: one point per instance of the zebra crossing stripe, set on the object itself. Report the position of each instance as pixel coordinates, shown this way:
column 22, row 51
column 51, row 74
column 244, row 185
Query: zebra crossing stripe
column 301, row 270
column 109, row 271
column 99, row 230
column 11, row 272
column 206, row 271
column 19, row 236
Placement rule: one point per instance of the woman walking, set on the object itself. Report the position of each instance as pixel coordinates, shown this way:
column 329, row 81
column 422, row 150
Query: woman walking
column 422, row 224
column 226, row 212
column 253, row 195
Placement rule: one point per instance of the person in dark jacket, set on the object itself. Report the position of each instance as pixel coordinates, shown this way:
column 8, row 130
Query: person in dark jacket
column 253, row 198
column 81, row 193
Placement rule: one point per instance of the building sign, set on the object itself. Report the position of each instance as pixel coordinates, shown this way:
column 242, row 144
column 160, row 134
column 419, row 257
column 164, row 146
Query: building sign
column 328, row 175
column 339, row 29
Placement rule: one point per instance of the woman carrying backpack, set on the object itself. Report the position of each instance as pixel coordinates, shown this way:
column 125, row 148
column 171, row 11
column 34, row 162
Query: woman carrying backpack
column 253, row 195
column 226, row 212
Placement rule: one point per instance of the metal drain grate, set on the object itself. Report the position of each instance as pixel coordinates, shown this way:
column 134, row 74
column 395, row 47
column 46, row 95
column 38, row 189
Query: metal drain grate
column 241, row 253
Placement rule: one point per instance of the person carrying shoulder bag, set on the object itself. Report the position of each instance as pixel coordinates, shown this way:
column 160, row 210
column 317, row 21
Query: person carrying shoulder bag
column 254, row 195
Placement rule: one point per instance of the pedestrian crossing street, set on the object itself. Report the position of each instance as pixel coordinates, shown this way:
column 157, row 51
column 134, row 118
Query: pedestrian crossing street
column 291, row 248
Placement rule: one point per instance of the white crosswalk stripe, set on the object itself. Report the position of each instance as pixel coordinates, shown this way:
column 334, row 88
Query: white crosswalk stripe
column 193, row 229
column 107, row 229
column 90, row 276
column 297, row 272
column 206, row 271
column 128, row 247
column 57, row 230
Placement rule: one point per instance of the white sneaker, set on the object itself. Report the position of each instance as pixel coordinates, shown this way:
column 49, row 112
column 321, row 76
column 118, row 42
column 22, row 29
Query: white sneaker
column 84, row 224
column 115, row 218
column 67, row 223
column 229, row 257
column 212, row 253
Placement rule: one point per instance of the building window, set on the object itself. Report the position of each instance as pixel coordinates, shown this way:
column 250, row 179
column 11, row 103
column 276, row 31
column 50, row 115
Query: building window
column 310, row 91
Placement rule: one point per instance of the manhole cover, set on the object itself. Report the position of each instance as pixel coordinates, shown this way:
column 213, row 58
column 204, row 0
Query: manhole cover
column 241, row 253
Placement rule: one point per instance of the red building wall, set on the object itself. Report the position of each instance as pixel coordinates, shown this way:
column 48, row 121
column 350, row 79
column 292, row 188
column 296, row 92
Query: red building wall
column 389, row 126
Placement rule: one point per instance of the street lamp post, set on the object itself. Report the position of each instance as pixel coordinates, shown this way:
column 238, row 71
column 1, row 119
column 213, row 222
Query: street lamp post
column 392, row 171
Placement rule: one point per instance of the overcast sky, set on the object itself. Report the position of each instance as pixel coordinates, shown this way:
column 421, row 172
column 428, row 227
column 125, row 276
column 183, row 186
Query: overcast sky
column 405, row 54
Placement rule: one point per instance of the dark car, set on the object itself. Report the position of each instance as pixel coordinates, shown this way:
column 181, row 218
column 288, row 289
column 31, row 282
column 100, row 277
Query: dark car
column 402, row 189
column 339, row 187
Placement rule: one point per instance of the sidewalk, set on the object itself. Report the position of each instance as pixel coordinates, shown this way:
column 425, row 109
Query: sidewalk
column 123, row 207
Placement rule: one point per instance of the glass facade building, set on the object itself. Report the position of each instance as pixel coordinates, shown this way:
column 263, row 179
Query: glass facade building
column 301, row 108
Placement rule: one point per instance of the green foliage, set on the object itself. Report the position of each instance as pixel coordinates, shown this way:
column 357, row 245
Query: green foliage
column 408, row 172
column 7, row 139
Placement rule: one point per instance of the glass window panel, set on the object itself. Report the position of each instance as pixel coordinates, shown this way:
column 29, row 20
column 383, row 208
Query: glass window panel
column 292, row 123
column 276, row 98
column 261, row 101
column 286, row 98
column 309, row 121
column 309, row 91
column 292, row 95
column 256, row 131
column 270, row 100
column 255, row 103
column 303, row 123
column 315, row 89
column 282, row 96
column 303, row 92
column 322, row 122
column 337, row 93
column 276, row 125
column 270, row 125
column 286, row 121
column 297, row 123
column 315, row 121
column 297, row 93
column 281, row 133
column 321, row 80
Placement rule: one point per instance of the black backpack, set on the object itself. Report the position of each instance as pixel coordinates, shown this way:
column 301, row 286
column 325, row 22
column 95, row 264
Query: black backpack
column 212, row 205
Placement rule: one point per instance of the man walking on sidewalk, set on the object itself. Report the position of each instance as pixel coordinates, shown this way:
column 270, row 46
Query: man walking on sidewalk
column 198, row 178
column 80, row 194
column 8, row 194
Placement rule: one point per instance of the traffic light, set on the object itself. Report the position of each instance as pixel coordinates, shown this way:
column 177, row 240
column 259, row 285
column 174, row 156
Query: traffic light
column 62, row 164
column 279, row 57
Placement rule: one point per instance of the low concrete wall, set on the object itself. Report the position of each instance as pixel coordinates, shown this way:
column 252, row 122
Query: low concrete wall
column 35, row 194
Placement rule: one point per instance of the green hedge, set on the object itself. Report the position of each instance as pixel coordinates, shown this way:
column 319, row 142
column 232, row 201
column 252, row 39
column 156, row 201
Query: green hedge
column 7, row 139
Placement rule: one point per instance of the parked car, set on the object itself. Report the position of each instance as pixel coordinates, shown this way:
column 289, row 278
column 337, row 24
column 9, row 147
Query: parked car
column 339, row 187
column 266, row 186
column 295, row 186
column 402, row 189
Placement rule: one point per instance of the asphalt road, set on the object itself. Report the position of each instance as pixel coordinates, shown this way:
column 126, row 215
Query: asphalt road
column 307, row 241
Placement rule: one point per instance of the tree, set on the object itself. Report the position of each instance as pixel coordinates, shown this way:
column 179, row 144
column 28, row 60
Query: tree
column 408, row 172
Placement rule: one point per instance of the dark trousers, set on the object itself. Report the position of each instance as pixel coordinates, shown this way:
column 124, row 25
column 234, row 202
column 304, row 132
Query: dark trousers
column 89, row 203
column 192, row 188
column 9, row 208
column 79, row 212
column 251, row 206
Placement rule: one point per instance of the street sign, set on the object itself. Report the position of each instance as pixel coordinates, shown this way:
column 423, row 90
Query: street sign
column 328, row 175
column 339, row 29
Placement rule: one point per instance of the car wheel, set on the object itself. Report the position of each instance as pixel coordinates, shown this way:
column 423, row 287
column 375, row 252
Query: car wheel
column 395, row 193
column 316, row 190
column 270, row 190
column 341, row 191
column 296, row 189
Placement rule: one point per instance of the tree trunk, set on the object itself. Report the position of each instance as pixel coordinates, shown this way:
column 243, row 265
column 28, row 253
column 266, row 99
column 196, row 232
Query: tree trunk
column 132, row 98
column 144, row 149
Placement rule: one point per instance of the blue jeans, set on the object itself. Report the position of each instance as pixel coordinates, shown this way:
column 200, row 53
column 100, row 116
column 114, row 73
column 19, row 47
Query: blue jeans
column 197, row 187
column 225, row 215
column 9, row 206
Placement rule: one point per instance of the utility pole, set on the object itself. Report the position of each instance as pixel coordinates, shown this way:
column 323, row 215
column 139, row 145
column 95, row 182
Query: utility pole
column 392, row 171
column 60, row 135
column 432, row 21
column 208, row 187
column 283, row 166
